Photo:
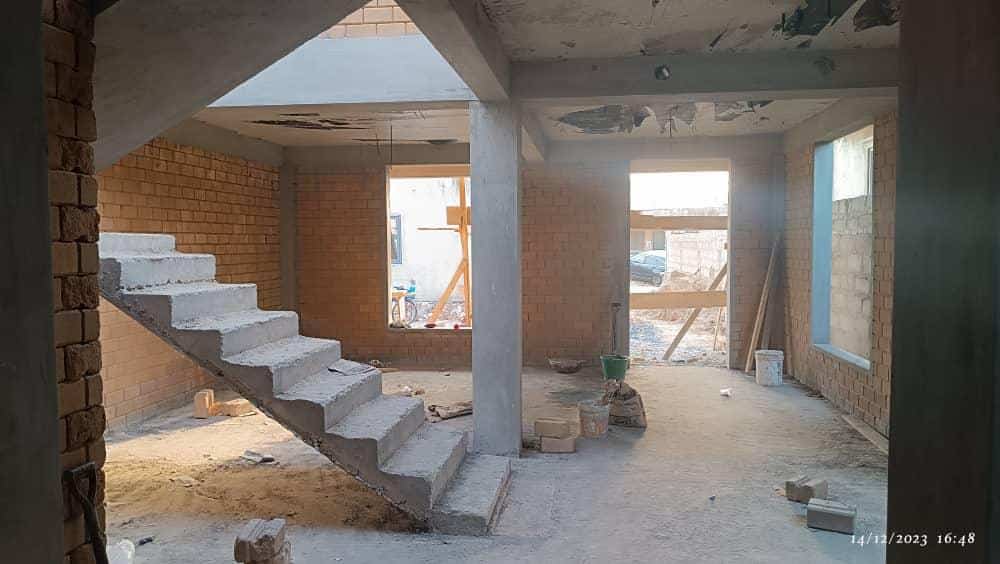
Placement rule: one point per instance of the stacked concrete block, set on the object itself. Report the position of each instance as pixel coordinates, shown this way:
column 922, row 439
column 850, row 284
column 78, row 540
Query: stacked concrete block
column 556, row 435
column 830, row 516
column 803, row 488
column 67, row 33
column 263, row 542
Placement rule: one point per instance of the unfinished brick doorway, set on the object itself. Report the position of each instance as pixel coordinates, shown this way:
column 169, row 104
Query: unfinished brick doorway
column 678, row 262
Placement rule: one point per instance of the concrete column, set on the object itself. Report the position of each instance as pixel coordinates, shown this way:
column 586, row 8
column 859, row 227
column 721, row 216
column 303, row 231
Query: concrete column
column 495, row 140
column 30, row 490
column 617, row 237
column 288, row 234
column 944, row 455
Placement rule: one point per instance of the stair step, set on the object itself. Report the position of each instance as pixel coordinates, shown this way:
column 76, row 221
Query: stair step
column 290, row 360
column 339, row 392
column 232, row 333
column 432, row 454
column 473, row 499
column 146, row 270
column 134, row 243
column 388, row 420
column 172, row 304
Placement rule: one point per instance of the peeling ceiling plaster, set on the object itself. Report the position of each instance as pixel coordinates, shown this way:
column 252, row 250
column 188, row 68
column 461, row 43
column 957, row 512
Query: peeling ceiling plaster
column 330, row 125
column 534, row 30
column 689, row 119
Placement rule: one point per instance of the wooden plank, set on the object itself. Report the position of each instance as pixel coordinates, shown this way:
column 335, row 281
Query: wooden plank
column 453, row 214
column 765, row 293
column 694, row 314
column 671, row 300
column 678, row 222
column 429, row 171
column 463, row 233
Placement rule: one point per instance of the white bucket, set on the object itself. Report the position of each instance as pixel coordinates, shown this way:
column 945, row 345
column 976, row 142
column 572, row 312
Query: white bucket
column 593, row 419
column 769, row 367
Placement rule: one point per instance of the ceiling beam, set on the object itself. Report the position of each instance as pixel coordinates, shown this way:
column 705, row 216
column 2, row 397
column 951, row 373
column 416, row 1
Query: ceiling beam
column 773, row 75
column 465, row 37
column 534, row 142
column 735, row 147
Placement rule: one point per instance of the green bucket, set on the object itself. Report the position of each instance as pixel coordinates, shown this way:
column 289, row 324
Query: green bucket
column 614, row 366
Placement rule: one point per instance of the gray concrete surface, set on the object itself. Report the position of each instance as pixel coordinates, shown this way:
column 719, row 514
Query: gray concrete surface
column 701, row 484
column 31, row 514
column 495, row 141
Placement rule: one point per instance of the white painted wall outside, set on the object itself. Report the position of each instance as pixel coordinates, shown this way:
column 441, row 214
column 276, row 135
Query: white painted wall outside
column 429, row 257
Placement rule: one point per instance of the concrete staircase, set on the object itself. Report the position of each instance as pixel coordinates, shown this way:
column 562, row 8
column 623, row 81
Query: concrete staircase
column 335, row 405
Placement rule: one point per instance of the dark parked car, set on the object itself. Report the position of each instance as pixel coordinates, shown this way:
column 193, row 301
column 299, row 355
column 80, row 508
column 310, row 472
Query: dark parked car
column 648, row 266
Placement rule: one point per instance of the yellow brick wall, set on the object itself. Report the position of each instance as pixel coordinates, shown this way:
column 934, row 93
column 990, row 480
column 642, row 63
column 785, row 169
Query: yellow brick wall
column 865, row 395
column 379, row 18
column 212, row 203
column 67, row 35
column 342, row 268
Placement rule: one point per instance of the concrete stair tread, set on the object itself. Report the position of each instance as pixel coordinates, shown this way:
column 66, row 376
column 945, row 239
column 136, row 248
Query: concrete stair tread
column 374, row 419
column 473, row 498
column 426, row 453
column 235, row 321
column 184, row 288
column 114, row 243
column 325, row 387
column 284, row 352
column 154, row 255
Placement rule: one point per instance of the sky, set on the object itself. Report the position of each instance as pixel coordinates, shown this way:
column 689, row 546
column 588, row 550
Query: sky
column 664, row 190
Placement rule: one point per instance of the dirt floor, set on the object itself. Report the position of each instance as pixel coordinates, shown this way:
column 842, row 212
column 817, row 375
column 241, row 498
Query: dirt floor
column 701, row 484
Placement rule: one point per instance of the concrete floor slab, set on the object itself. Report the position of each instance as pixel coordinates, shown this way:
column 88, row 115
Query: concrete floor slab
column 701, row 484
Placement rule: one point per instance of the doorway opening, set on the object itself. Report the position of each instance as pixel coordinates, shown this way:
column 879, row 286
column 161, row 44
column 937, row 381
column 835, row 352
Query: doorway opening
column 678, row 263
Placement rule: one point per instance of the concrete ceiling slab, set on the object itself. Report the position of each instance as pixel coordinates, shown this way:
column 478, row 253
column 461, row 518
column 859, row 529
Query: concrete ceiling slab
column 537, row 30
column 321, row 125
column 667, row 120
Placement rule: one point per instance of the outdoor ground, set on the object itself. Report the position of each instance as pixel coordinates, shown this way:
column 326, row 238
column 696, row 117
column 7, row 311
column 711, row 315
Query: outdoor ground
column 701, row 484
column 652, row 331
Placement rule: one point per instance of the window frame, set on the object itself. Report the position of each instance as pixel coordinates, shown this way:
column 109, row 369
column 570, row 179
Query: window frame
column 396, row 220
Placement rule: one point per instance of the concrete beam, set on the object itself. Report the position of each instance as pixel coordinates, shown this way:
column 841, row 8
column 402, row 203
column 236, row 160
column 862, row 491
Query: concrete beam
column 772, row 75
column 194, row 133
column 843, row 117
column 381, row 70
column 360, row 157
column 534, row 142
column 944, row 429
column 467, row 39
column 31, row 515
column 495, row 131
column 160, row 62
column 662, row 150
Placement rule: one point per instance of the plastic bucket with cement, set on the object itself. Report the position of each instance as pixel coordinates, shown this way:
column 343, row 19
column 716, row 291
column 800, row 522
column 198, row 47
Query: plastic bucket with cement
column 769, row 367
column 593, row 419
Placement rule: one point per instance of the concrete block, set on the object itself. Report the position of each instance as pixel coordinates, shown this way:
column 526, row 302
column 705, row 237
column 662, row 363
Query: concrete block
column 557, row 445
column 802, row 489
column 204, row 403
column 552, row 427
column 830, row 516
column 262, row 542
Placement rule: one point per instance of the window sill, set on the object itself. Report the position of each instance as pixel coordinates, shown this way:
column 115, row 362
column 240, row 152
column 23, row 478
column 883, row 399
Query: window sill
column 840, row 354
column 429, row 330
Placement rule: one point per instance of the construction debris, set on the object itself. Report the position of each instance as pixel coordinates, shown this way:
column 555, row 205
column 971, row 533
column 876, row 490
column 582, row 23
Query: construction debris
column 566, row 365
column 802, row 489
column 257, row 458
column 410, row 392
column 234, row 408
column 830, row 516
column 552, row 427
column 558, row 445
column 263, row 542
column 458, row 409
column 626, row 408
column 204, row 401
column 726, row 392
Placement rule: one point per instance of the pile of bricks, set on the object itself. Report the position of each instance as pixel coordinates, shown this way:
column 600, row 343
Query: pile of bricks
column 555, row 435
column 67, row 32
column 821, row 513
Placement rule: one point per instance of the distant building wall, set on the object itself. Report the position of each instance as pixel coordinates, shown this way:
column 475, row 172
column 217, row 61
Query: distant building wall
column 851, row 276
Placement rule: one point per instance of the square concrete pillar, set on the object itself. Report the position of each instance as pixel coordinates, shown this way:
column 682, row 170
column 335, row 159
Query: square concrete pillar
column 31, row 517
column 495, row 141
column 944, row 427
